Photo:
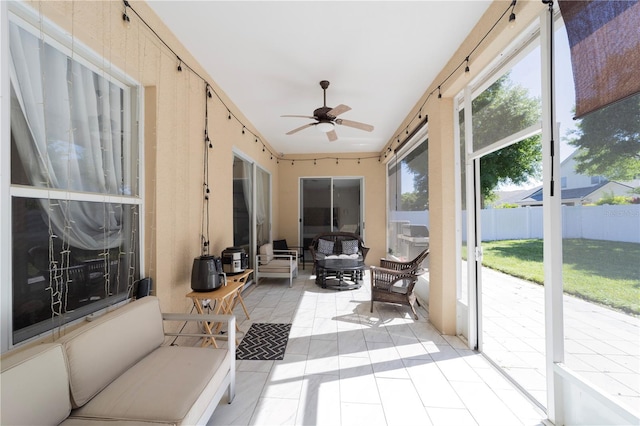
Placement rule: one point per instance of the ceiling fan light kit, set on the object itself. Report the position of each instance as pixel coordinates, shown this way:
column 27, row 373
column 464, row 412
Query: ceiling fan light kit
column 325, row 126
column 326, row 118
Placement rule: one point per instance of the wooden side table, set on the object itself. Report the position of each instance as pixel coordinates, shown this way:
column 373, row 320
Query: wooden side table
column 224, row 300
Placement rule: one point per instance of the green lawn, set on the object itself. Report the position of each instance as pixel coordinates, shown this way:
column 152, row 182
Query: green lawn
column 604, row 272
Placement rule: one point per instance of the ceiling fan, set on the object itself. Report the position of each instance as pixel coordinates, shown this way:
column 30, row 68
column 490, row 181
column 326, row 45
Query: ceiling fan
column 326, row 118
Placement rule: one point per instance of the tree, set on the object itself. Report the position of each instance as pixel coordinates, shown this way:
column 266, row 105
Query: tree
column 499, row 111
column 609, row 141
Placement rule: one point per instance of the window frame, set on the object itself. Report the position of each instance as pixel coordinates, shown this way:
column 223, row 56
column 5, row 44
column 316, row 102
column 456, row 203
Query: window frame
column 133, row 95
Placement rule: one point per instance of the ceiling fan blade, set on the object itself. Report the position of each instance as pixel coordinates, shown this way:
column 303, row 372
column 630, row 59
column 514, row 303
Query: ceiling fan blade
column 332, row 135
column 300, row 128
column 299, row 116
column 340, row 109
column 355, row 125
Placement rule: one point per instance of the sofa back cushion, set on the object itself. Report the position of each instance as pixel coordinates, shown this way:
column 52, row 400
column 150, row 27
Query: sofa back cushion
column 100, row 351
column 35, row 386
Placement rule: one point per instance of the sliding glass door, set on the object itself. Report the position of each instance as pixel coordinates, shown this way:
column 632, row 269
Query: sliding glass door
column 251, row 205
column 330, row 204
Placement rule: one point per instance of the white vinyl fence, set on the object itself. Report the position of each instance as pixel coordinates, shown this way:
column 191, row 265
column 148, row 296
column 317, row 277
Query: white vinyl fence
column 612, row 223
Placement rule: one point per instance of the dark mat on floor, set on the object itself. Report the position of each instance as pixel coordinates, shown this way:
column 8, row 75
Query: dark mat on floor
column 264, row 341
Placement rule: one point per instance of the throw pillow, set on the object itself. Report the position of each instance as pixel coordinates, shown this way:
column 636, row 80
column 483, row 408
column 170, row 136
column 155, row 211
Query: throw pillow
column 325, row 246
column 350, row 246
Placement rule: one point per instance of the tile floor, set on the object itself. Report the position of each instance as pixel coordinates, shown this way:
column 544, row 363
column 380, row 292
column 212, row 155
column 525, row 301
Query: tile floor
column 346, row 366
column 601, row 345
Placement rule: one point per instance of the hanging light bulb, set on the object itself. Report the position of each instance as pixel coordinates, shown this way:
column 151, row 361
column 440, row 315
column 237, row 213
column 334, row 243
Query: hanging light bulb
column 466, row 68
column 439, row 93
column 512, row 17
column 179, row 63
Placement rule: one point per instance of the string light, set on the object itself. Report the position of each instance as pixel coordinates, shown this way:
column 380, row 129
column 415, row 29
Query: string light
column 466, row 68
column 125, row 17
column 179, row 64
column 336, row 161
column 439, row 93
column 229, row 114
column 512, row 17
column 243, row 130
column 262, row 148
column 314, row 161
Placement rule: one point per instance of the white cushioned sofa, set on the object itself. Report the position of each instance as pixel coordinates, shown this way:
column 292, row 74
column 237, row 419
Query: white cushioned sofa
column 117, row 370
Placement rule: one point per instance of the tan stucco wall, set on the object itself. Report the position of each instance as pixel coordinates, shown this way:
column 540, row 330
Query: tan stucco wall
column 371, row 170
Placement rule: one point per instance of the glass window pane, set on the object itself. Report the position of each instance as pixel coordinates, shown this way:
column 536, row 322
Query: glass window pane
column 601, row 238
column 346, row 205
column 242, row 203
column 263, row 207
column 510, row 104
column 60, row 276
column 316, row 208
column 408, row 226
column 69, row 121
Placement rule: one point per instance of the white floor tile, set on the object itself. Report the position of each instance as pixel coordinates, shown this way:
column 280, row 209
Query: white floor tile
column 347, row 366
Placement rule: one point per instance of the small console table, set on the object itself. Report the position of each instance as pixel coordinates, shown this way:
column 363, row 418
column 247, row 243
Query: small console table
column 223, row 300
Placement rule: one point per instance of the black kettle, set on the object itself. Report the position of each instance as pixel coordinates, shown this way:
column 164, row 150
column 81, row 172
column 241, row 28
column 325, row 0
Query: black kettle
column 207, row 274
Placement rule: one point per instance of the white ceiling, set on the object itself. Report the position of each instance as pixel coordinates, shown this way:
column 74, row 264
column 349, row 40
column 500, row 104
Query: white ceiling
column 269, row 57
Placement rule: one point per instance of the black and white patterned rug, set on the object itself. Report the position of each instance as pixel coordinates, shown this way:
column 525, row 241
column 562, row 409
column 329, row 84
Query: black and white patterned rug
column 264, row 341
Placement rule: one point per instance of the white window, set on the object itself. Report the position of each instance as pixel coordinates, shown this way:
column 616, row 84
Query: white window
column 75, row 183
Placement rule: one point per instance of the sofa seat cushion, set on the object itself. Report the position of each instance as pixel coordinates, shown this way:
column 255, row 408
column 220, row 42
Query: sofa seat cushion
column 35, row 386
column 173, row 384
column 77, row 421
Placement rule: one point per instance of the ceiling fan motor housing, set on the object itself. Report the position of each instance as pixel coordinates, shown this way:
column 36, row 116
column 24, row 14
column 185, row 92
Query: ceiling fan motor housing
column 321, row 113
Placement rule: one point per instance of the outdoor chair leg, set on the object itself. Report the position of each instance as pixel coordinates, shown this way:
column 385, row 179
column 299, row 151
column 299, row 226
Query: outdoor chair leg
column 413, row 309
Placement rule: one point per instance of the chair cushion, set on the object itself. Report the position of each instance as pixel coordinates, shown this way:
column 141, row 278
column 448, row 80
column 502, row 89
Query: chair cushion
column 266, row 250
column 350, row 246
column 325, row 246
column 280, row 245
column 278, row 265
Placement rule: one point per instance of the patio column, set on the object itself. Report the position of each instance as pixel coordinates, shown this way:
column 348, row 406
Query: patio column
column 442, row 262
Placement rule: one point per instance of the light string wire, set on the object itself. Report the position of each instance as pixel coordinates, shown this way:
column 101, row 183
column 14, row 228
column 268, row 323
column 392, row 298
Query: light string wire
column 230, row 114
column 437, row 89
column 205, row 205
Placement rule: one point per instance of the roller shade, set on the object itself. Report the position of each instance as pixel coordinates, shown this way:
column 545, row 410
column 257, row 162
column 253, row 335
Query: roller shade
column 604, row 37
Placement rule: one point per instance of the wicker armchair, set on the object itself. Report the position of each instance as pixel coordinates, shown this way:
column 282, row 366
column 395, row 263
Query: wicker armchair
column 393, row 281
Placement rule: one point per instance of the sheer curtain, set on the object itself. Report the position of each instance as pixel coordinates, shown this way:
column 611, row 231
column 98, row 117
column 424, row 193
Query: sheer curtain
column 67, row 121
column 262, row 192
